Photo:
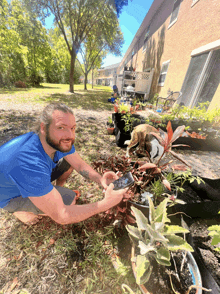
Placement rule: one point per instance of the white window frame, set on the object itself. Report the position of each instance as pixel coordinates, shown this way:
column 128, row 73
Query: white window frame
column 175, row 20
column 194, row 2
column 146, row 38
column 163, row 72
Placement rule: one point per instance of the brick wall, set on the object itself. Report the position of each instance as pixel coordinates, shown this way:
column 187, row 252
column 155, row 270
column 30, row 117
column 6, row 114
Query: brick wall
column 196, row 26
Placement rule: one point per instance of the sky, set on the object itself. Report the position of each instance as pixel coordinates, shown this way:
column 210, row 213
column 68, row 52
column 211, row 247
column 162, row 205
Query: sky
column 130, row 20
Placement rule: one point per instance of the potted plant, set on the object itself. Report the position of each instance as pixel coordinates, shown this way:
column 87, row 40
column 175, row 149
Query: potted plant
column 110, row 126
column 153, row 244
column 123, row 108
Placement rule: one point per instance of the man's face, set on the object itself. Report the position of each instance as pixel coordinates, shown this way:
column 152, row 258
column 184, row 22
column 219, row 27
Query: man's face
column 61, row 133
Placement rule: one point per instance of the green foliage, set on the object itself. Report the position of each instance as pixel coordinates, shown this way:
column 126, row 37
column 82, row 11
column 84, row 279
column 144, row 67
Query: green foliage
column 155, row 239
column 110, row 120
column 181, row 178
column 78, row 21
column 199, row 112
column 129, row 121
column 215, row 234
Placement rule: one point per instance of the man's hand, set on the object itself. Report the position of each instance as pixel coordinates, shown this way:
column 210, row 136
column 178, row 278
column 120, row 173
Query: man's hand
column 108, row 178
column 114, row 196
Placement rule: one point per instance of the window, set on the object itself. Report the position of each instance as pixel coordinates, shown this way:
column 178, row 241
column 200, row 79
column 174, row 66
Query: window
column 163, row 73
column 194, row 2
column 202, row 78
column 175, row 12
column 146, row 37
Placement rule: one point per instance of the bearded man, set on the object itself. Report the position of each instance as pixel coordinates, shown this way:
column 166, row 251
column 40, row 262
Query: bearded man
column 31, row 162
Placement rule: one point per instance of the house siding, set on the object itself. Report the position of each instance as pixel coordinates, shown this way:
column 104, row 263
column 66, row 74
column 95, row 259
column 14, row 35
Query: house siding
column 196, row 26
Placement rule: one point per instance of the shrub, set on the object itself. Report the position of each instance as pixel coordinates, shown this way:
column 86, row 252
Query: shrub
column 20, row 84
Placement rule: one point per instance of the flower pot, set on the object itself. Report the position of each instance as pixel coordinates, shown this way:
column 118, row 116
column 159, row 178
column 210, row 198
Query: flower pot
column 193, row 269
column 110, row 131
column 115, row 108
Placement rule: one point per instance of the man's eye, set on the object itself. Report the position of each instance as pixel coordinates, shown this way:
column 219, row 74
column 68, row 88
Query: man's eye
column 60, row 128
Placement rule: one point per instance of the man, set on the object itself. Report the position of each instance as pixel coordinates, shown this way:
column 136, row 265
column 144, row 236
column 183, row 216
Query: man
column 30, row 162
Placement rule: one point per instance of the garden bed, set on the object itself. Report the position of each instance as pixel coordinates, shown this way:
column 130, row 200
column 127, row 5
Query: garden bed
column 15, row 122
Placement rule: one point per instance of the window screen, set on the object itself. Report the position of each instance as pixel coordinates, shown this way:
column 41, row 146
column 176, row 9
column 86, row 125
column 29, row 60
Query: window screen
column 212, row 79
column 192, row 77
column 163, row 73
column 175, row 11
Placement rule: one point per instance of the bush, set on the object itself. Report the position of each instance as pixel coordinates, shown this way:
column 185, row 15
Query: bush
column 20, row 84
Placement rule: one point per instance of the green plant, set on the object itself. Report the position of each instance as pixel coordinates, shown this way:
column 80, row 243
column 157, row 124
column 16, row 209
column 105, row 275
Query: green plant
column 199, row 113
column 129, row 120
column 123, row 108
column 186, row 176
column 215, row 234
column 155, row 239
column 110, row 120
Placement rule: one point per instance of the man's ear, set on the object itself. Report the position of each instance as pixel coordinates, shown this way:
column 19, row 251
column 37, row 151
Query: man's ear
column 43, row 128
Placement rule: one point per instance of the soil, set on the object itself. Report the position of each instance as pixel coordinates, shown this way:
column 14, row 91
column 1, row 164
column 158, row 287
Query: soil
column 160, row 278
column 16, row 120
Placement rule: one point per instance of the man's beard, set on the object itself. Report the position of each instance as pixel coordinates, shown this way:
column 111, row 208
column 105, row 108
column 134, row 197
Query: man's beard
column 58, row 146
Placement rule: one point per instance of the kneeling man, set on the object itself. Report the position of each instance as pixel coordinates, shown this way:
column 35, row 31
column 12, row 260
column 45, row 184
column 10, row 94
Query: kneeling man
column 30, row 162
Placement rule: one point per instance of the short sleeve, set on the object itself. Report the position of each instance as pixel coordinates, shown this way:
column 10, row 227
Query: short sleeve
column 32, row 178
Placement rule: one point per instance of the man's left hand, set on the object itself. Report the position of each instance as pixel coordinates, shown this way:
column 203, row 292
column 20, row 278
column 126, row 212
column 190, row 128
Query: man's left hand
column 108, row 178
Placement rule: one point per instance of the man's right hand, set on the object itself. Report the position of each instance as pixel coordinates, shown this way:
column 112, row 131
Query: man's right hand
column 114, row 196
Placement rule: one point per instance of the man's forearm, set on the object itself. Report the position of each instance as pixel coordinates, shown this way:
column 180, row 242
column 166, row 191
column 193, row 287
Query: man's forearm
column 78, row 213
column 83, row 168
column 90, row 174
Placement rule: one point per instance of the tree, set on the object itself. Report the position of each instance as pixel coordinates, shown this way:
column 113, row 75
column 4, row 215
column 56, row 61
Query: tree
column 34, row 37
column 78, row 17
column 9, row 45
column 96, row 46
column 57, row 66
column 24, row 45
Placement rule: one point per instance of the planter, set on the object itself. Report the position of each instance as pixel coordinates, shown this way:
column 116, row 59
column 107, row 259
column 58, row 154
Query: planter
column 193, row 269
column 110, row 131
column 121, row 135
column 202, row 200
column 208, row 280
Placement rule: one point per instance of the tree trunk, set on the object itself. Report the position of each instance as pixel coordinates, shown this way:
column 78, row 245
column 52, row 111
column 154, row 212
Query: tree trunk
column 85, row 81
column 92, row 78
column 72, row 67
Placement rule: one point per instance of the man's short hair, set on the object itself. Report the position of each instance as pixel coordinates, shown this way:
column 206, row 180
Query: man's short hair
column 46, row 115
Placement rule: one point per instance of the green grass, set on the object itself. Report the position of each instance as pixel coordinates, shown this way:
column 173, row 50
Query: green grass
column 51, row 258
column 94, row 99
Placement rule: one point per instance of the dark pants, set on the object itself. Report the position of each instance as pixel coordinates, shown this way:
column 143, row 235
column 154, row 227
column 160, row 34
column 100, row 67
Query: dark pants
column 24, row 204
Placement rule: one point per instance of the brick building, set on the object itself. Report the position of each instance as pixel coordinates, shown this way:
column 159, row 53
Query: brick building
column 107, row 75
column 180, row 39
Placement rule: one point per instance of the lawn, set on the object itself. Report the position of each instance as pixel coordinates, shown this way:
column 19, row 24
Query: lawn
column 51, row 258
column 95, row 99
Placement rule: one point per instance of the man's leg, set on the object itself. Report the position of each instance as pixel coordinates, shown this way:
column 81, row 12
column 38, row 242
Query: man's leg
column 28, row 218
column 27, row 213
column 61, row 172
column 62, row 179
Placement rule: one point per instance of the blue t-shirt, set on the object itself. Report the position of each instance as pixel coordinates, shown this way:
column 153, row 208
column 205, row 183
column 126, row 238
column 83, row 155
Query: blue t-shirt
column 25, row 168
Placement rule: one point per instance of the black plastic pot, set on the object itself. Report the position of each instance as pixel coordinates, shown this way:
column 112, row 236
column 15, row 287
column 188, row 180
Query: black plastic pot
column 120, row 133
column 207, row 279
column 208, row 144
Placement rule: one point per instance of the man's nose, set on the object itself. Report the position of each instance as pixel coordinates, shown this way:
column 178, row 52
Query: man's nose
column 69, row 134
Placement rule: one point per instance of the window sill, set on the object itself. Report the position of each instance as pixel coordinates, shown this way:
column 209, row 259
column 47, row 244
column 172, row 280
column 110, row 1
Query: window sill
column 194, row 3
column 172, row 23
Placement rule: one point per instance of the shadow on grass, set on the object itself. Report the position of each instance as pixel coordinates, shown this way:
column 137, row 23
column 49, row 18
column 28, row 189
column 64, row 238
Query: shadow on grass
column 88, row 100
